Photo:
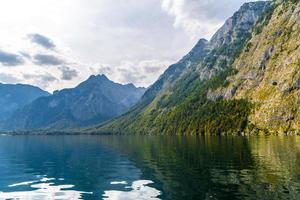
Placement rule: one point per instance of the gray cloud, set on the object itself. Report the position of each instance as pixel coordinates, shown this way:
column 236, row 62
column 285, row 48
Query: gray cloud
column 10, row 59
column 104, row 70
column 45, row 59
column 141, row 73
column 42, row 41
column 152, row 69
column 48, row 78
column 25, row 55
column 45, row 77
column 42, row 80
column 8, row 78
column 68, row 73
column 131, row 77
column 200, row 18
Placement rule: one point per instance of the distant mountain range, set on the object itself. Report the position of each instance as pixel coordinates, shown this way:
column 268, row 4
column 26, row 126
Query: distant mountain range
column 93, row 101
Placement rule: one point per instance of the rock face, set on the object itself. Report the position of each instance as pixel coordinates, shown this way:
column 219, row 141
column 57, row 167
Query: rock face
column 13, row 97
column 209, row 56
column 189, row 97
column 268, row 72
column 93, row 101
column 240, row 23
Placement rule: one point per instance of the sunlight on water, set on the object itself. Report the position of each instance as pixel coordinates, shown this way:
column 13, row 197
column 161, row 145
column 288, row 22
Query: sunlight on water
column 43, row 189
column 139, row 190
column 119, row 183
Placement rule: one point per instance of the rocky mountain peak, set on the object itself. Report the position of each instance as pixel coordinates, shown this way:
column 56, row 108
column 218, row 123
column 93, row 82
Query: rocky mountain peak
column 99, row 77
column 240, row 23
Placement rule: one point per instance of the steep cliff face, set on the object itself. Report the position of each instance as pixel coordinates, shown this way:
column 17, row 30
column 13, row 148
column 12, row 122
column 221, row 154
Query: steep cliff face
column 269, row 71
column 185, row 106
column 240, row 23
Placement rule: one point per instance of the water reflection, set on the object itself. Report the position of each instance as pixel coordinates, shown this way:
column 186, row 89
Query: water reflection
column 217, row 167
column 151, row 167
column 78, row 167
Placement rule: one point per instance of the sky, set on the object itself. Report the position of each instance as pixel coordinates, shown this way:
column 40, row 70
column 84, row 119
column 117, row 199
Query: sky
column 56, row 44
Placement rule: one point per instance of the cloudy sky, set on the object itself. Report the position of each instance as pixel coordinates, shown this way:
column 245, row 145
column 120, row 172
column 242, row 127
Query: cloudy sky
column 55, row 44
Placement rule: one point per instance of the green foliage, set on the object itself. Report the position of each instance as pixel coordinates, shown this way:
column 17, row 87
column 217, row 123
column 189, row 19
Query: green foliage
column 208, row 117
column 187, row 111
column 298, row 63
column 195, row 114
column 220, row 80
column 286, row 2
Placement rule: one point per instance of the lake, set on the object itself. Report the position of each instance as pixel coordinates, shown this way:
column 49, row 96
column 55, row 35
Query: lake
column 149, row 167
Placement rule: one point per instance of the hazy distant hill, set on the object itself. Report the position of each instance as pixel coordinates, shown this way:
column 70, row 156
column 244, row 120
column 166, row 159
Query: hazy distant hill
column 93, row 101
column 13, row 97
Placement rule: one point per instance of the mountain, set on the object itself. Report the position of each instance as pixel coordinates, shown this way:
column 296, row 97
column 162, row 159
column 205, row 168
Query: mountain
column 13, row 97
column 93, row 101
column 268, row 72
column 245, row 79
column 176, row 70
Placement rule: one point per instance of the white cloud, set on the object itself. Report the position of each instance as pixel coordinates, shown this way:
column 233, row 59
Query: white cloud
column 194, row 26
column 200, row 18
column 129, row 41
column 142, row 73
column 8, row 78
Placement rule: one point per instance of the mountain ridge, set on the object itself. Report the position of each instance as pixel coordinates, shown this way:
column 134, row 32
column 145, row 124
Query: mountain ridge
column 15, row 96
column 93, row 101
column 192, row 105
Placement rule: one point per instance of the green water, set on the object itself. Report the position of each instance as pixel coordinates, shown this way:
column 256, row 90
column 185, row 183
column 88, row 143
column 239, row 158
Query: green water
column 149, row 167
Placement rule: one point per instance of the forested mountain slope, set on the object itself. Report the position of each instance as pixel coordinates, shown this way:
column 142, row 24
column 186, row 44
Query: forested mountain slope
column 245, row 81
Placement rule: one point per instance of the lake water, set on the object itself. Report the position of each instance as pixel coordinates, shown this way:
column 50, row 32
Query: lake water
column 149, row 167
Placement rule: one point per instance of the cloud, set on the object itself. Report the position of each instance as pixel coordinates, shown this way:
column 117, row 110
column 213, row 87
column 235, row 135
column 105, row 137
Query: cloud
column 200, row 18
column 142, row 73
column 68, row 73
column 10, row 59
column 41, row 40
column 46, row 59
column 8, row 78
column 25, row 55
column 183, row 17
column 130, row 76
column 153, row 66
column 135, row 44
column 42, row 80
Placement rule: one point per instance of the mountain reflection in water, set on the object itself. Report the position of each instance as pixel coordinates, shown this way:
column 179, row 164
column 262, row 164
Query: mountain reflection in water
column 149, row 167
